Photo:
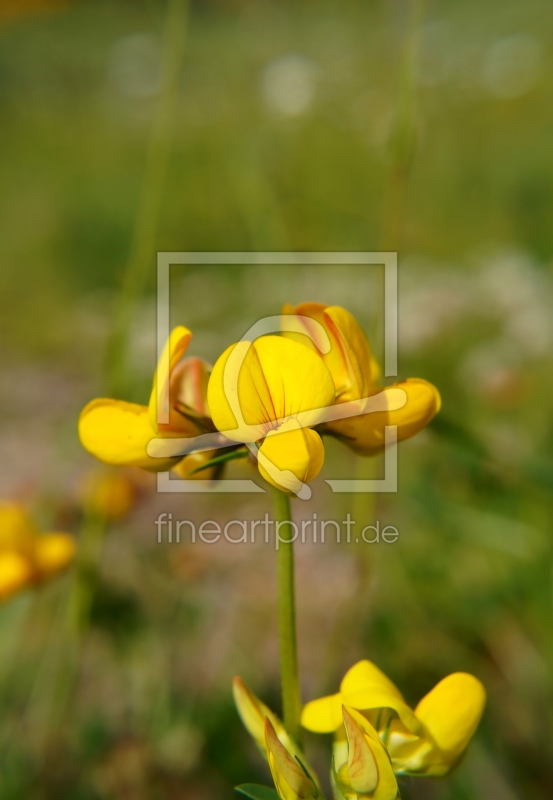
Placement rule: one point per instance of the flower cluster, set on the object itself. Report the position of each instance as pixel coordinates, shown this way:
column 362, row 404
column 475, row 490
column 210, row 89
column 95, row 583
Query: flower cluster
column 28, row 557
column 278, row 395
column 376, row 735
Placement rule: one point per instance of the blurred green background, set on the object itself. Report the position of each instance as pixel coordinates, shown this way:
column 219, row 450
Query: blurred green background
column 131, row 127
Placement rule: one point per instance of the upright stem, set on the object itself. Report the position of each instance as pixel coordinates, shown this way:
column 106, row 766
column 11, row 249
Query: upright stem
column 291, row 699
column 403, row 140
column 142, row 253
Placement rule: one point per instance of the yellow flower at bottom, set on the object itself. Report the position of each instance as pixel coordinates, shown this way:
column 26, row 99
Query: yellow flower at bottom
column 362, row 767
column 427, row 741
column 293, row 777
column 28, row 557
column 273, row 391
column 355, row 373
column 292, row 781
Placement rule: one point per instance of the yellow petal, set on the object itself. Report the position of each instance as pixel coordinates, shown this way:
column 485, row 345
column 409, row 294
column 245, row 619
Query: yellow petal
column 349, row 359
column 16, row 572
column 374, row 699
column 366, row 675
column 172, row 353
column 17, row 532
column 362, row 769
column 365, row 433
column 386, row 787
column 357, row 353
column 273, row 378
column 323, row 715
column 118, row 433
column 253, row 714
column 411, row 754
column 337, row 358
column 291, row 782
column 189, row 380
column 367, row 688
column 313, row 337
column 53, row 553
column 451, row 712
column 299, row 452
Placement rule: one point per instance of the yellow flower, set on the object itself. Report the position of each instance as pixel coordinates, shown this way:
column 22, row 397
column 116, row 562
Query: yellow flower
column 427, row 741
column 110, row 494
column 293, row 777
column 355, row 373
column 273, row 391
column 118, row 432
column 361, row 765
column 26, row 556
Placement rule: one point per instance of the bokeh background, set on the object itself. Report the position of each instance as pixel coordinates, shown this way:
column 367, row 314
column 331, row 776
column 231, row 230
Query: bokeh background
column 131, row 127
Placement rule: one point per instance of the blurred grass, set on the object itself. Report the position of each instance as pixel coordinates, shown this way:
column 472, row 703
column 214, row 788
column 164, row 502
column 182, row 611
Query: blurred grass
column 469, row 585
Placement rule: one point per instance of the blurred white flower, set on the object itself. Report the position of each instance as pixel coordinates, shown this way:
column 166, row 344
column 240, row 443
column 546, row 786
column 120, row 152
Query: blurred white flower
column 492, row 369
column 289, row 85
column 449, row 55
column 429, row 303
column 134, row 65
column 511, row 285
column 506, row 288
column 513, row 65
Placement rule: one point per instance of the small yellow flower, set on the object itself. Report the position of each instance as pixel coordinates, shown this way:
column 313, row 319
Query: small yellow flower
column 355, row 374
column 361, row 765
column 293, row 777
column 28, row 557
column 428, row 741
column 118, row 432
column 274, row 391
column 109, row 495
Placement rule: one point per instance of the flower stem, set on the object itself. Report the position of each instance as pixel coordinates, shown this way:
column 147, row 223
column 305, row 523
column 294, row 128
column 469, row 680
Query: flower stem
column 404, row 135
column 290, row 685
column 143, row 246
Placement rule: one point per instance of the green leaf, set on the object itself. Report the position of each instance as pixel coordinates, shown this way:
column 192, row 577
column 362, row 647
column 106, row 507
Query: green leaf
column 255, row 792
column 221, row 460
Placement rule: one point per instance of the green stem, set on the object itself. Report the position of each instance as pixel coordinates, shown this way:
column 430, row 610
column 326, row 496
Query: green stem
column 291, row 699
column 403, row 140
column 143, row 247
